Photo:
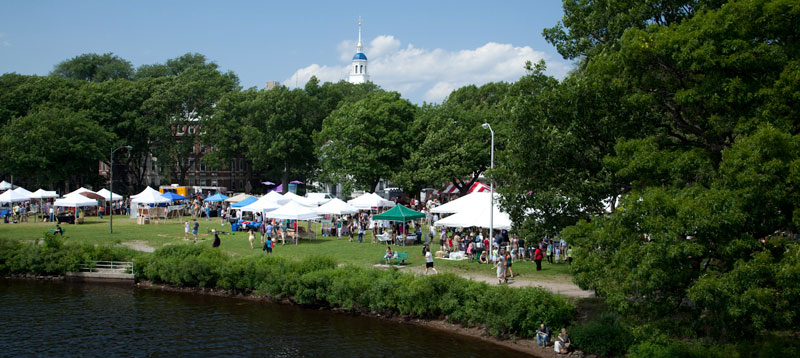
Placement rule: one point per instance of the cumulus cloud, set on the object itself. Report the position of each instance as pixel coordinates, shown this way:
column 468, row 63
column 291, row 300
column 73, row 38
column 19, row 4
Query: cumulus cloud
column 430, row 75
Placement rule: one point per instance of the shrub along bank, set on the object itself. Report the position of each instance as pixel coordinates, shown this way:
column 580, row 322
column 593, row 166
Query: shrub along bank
column 316, row 281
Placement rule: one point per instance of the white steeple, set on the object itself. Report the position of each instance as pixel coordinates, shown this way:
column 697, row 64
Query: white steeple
column 358, row 70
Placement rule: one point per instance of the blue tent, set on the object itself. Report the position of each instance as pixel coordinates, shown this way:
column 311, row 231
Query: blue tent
column 172, row 196
column 245, row 202
column 216, row 197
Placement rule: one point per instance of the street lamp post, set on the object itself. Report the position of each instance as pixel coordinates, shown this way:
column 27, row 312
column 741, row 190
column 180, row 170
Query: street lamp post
column 111, row 187
column 491, row 189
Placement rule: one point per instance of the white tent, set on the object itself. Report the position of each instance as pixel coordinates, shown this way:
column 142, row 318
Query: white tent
column 336, row 207
column 300, row 199
column 149, row 196
column 78, row 191
column 11, row 196
column 23, row 191
column 43, row 194
column 293, row 211
column 478, row 216
column 268, row 202
column 369, row 201
column 4, row 185
column 75, row 200
column 465, row 202
column 105, row 193
column 237, row 198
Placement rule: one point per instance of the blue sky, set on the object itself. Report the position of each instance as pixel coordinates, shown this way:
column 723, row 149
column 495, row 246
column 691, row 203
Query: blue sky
column 423, row 49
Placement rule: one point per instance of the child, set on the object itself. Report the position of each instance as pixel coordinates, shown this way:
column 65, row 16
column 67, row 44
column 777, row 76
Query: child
column 501, row 271
column 251, row 237
column 389, row 255
column 186, row 230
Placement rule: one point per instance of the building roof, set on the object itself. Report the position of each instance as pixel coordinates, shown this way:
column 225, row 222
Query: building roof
column 360, row 56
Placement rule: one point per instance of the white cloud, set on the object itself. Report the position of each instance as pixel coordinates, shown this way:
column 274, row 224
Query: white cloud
column 430, row 75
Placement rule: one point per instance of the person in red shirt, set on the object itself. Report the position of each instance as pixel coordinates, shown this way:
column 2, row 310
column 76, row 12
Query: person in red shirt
column 538, row 256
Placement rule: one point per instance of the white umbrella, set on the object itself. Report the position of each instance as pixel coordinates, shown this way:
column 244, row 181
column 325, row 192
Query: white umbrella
column 43, row 194
column 477, row 216
column 75, row 200
column 370, row 200
column 11, row 196
column 293, row 211
column 105, row 193
column 466, row 201
column 336, row 207
column 300, row 199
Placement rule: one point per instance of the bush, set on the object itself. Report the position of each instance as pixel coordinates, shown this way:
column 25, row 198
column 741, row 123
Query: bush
column 604, row 335
column 678, row 349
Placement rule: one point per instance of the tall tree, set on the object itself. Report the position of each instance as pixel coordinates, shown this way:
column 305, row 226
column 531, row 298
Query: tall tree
column 92, row 67
column 362, row 142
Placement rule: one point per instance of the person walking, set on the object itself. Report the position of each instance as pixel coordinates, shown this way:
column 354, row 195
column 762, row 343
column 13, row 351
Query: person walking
column 569, row 255
column 195, row 229
column 500, row 265
column 186, row 229
column 429, row 261
column 251, row 237
column 509, row 261
column 550, row 253
column 361, row 231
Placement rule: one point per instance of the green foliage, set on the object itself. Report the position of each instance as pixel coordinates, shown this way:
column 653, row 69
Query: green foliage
column 364, row 140
column 92, row 67
column 678, row 349
column 54, row 257
column 605, row 335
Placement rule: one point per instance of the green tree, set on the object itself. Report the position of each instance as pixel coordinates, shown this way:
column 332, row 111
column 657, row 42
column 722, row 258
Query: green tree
column 53, row 145
column 362, row 142
column 92, row 67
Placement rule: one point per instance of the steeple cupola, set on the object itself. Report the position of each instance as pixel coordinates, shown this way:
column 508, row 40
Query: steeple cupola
column 358, row 69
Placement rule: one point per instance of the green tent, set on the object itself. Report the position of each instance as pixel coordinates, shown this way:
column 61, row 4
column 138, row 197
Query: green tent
column 399, row 213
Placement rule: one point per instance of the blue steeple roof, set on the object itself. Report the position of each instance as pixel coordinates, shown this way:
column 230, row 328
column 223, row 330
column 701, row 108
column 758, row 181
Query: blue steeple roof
column 360, row 56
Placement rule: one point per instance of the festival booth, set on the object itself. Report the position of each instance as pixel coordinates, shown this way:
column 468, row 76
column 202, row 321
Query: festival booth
column 11, row 196
column 369, row 201
column 76, row 201
column 244, row 202
column 300, row 200
column 333, row 207
column 264, row 204
column 402, row 215
column 145, row 206
column 478, row 215
column 176, row 208
column 44, row 194
column 465, row 202
column 296, row 212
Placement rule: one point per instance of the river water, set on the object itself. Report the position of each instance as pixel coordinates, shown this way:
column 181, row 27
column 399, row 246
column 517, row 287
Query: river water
column 54, row 319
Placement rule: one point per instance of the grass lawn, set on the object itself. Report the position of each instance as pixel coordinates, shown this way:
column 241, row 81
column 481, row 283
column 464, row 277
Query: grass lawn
column 95, row 231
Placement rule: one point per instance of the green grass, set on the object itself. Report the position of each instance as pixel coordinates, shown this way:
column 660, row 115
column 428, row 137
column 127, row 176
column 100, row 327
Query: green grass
column 95, row 231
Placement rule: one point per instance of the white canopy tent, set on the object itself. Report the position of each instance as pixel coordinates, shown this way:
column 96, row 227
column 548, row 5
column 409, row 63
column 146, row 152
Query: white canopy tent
column 147, row 197
column 11, row 196
column 293, row 211
column 4, row 185
column 465, row 202
column 23, row 191
column 237, row 198
column 336, row 207
column 477, row 216
column 78, row 191
column 268, row 202
column 369, row 201
column 105, row 193
column 74, row 201
column 43, row 194
column 300, row 200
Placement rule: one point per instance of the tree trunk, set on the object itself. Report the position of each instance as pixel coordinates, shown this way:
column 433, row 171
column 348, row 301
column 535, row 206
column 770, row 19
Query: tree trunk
column 285, row 176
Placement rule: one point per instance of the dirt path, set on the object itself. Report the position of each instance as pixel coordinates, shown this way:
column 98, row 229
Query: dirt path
column 565, row 288
column 139, row 245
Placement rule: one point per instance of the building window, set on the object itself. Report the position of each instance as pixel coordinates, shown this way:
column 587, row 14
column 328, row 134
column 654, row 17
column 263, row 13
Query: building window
column 362, row 68
column 202, row 167
column 355, row 69
column 191, row 182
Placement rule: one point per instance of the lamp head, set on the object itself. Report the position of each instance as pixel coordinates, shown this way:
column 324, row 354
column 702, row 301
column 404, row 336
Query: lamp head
column 485, row 125
column 128, row 147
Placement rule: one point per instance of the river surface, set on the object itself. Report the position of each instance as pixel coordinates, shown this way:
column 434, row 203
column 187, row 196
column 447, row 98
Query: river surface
column 56, row 319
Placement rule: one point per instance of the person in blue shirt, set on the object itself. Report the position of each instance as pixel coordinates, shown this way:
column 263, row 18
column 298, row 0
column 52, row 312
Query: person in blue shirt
column 542, row 335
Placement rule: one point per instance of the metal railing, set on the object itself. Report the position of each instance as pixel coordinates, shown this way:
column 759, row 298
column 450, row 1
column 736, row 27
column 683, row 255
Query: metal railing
column 108, row 266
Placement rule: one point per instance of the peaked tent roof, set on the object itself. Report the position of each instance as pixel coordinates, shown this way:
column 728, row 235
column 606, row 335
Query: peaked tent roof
column 11, row 196
column 464, row 202
column 4, row 185
column 293, row 211
column 105, row 193
column 173, row 196
column 78, row 191
column 370, row 200
column 268, row 202
column 478, row 216
column 399, row 213
column 75, row 200
column 216, row 197
column 149, row 196
column 43, row 194
column 336, row 207
column 247, row 201
column 23, row 191
column 300, row 200
column 237, row 198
